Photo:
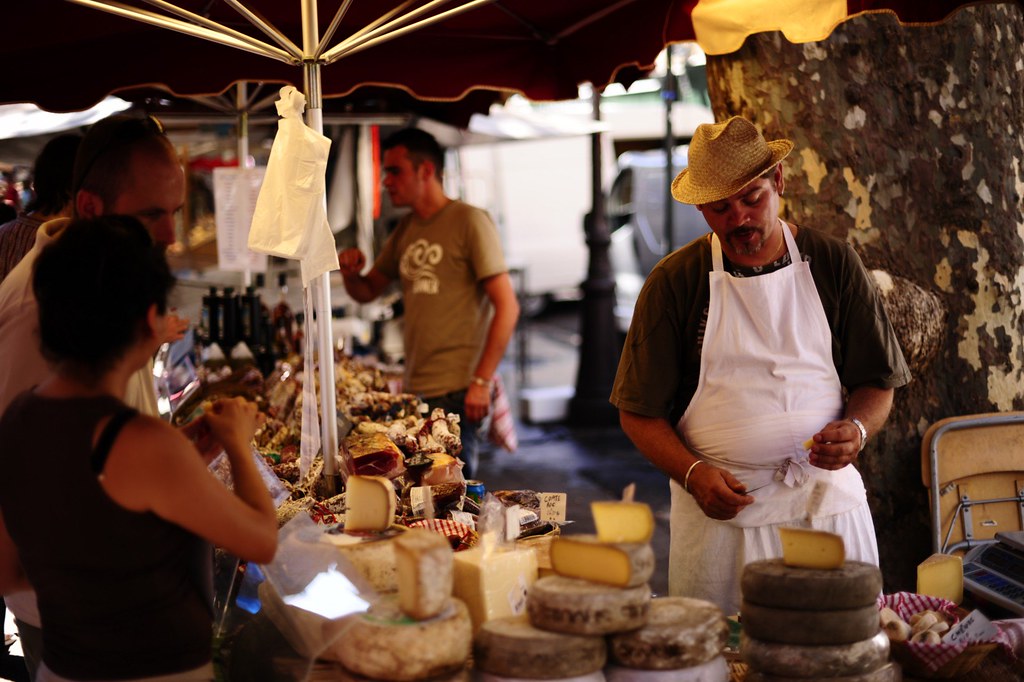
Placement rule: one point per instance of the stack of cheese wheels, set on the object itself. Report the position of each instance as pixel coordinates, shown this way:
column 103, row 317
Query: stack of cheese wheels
column 812, row 616
column 682, row 641
column 422, row 633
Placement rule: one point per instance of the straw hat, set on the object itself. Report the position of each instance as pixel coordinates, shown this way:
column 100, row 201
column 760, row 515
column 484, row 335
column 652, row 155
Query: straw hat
column 724, row 158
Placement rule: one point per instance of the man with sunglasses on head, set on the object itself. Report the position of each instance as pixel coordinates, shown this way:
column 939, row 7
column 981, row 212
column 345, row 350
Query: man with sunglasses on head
column 126, row 166
column 758, row 363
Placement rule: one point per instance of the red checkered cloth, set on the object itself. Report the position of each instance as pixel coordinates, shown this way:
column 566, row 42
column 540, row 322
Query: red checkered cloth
column 459, row 535
column 932, row 656
column 503, row 428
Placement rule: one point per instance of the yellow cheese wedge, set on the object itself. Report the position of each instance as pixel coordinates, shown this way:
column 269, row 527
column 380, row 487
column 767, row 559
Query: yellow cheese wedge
column 494, row 584
column 806, row 548
column 617, row 521
column 370, row 503
column 942, row 575
column 619, row 564
column 808, row 443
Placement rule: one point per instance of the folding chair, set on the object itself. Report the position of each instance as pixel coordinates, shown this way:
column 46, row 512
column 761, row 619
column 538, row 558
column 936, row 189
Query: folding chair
column 973, row 467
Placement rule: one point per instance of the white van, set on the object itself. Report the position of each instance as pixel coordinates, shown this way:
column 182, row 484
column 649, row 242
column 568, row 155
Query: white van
column 636, row 217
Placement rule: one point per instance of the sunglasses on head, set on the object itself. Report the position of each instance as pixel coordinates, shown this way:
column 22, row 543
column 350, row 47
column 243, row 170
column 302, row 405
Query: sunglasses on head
column 110, row 133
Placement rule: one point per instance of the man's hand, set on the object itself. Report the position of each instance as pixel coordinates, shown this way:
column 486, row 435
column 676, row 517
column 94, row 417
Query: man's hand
column 478, row 402
column 718, row 493
column 351, row 262
column 836, row 445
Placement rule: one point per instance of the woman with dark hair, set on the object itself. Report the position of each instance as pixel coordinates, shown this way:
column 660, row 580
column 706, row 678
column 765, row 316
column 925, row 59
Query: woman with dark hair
column 106, row 512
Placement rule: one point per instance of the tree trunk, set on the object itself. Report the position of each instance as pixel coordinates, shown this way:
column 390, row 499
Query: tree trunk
column 909, row 145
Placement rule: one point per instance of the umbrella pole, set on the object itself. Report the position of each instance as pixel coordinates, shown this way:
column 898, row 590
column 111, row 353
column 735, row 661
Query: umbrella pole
column 321, row 286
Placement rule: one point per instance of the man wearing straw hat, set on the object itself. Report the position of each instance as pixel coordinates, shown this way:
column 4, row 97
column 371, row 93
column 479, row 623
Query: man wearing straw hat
column 758, row 363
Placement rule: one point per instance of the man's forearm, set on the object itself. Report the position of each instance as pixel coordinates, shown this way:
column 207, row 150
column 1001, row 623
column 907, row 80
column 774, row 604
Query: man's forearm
column 359, row 288
column 656, row 440
column 870, row 405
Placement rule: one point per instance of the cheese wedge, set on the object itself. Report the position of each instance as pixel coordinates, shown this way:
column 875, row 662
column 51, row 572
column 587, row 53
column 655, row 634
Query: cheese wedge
column 808, row 443
column 806, row 548
column 423, row 562
column 942, row 575
column 619, row 564
column 618, row 521
column 494, row 584
column 370, row 503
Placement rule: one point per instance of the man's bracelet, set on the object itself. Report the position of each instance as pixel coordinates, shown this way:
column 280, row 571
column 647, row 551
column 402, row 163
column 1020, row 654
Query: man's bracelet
column 863, row 433
column 686, row 479
column 480, row 381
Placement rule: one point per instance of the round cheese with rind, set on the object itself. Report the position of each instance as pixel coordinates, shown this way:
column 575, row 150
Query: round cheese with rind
column 619, row 564
column 680, row 633
column 715, row 670
column 385, row 644
column 580, row 607
column 791, row 626
column 830, row 660
column 596, row 676
column 890, row 672
column 512, row 647
column 772, row 583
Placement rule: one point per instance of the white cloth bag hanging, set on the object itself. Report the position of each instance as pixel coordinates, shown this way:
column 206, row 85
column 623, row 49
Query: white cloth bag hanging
column 290, row 219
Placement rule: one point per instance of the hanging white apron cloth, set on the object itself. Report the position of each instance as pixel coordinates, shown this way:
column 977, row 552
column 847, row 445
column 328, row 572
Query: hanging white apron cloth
column 767, row 383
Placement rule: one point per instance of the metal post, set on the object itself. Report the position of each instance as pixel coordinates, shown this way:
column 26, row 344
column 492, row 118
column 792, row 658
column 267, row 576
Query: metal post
column 243, row 152
column 599, row 352
column 321, row 287
column 669, row 93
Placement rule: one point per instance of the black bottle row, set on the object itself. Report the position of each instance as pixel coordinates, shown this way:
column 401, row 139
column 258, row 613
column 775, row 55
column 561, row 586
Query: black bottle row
column 229, row 319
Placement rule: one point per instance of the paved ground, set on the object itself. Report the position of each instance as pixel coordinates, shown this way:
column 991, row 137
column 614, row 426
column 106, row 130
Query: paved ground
column 593, row 463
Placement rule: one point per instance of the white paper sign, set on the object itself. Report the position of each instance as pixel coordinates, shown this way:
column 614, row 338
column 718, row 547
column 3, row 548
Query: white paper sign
column 234, row 197
column 512, row 522
column 975, row 627
column 552, row 507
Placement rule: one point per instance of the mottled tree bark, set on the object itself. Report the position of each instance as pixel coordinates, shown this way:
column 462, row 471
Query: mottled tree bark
column 910, row 145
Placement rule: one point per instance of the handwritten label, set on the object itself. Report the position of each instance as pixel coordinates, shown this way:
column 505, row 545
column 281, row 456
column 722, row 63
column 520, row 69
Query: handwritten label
column 975, row 627
column 512, row 522
column 552, row 507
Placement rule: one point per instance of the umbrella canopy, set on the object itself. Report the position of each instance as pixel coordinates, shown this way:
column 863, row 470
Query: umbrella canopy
column 433, row 49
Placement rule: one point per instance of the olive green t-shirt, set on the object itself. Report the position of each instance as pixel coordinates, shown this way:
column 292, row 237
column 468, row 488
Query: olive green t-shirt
column 441, row 263
column 660, row 362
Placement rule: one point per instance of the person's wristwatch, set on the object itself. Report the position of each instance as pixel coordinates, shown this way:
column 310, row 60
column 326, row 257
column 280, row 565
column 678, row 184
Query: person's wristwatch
column 863, row 433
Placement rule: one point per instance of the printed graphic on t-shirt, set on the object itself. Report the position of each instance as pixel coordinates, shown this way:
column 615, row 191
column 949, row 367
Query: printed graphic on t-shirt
column 418, row 266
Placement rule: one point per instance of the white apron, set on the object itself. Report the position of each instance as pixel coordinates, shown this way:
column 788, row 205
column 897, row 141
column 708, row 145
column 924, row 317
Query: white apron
column 767, row 383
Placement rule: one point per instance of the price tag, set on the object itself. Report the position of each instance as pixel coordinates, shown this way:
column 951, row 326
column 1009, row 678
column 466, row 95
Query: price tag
column 418, row 499
column 552, row 507
column 517, row 596
column 512, row 522
column 974, row 627
column 464, row 517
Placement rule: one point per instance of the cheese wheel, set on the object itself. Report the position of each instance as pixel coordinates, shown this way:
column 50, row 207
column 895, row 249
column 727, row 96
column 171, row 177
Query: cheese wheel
column 619, row 564
column 596, row 676
column 715, row 670
column 680, row 633
column 423, row 566
column 890, row 672
column 370, row 502
column 338, row 673
column 384, row 644
column 511, row 647
column 789, row 626
column 576, row 606
column 832, row 660
column 773, row 583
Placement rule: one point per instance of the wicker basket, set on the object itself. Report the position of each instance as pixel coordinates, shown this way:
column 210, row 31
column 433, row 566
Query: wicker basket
column 966, row 661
